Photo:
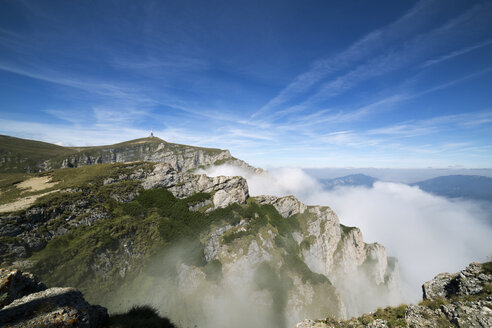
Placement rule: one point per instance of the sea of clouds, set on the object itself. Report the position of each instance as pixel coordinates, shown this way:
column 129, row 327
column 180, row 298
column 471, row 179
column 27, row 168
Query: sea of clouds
column 428, row 234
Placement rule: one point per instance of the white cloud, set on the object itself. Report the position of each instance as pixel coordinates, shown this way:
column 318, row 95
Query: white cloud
column 428, row 234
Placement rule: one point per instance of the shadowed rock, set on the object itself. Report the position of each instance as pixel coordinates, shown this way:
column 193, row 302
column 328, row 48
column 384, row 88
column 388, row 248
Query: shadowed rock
column 15, row 284
column 27, row 303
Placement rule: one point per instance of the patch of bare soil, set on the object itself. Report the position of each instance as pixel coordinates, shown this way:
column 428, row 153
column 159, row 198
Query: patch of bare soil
column 36, row 184
column 22, row 203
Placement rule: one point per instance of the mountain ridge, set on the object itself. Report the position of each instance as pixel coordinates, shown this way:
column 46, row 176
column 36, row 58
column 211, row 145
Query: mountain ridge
column 23, row 155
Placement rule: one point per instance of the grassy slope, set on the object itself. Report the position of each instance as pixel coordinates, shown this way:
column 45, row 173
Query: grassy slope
column 64, row 178
column 28, row 153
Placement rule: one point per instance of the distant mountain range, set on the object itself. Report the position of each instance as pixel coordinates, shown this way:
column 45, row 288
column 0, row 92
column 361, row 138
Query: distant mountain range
column 459, row 186
column 451, row 186
column 354, row 180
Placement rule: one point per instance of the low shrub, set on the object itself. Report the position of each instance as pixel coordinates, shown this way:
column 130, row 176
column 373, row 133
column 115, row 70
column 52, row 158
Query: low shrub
column 139, row 316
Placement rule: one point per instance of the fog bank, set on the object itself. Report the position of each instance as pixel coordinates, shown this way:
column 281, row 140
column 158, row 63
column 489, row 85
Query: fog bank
column 428, row 234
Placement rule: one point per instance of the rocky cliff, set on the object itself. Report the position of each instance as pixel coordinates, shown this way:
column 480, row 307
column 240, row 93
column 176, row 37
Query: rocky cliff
column 462, row 299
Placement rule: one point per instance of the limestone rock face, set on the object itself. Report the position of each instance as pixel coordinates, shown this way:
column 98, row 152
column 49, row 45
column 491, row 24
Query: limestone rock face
column 246, row 255
column 339, row 253
column 29, row 304
column 286, row 206
column 225, row 190
column 181, row 157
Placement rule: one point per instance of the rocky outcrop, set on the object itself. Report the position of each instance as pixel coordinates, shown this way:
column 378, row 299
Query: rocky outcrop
column 471, row 281
column 297, row 251
column 286, row 206
column 15, row 284
column 225, row 190
column 28, row 303
column 462, row 299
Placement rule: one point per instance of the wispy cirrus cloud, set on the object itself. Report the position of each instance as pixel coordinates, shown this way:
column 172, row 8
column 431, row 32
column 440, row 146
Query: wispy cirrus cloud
column 396, row 58
column 376, row 61
column 414, row 128
column 96, row 87
column 359, row 50
column 456, row 53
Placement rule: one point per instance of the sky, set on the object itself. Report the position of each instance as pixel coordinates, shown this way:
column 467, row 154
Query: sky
column 397, row 84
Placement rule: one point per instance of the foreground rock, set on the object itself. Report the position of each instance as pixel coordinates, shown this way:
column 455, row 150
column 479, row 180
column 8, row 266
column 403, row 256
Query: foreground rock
column 462, row 299
column 28, row 303
column 15, row 284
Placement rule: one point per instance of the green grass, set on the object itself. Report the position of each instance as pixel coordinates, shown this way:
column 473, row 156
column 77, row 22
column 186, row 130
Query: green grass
column 259, row 216
column 26, row 154
column 223, row 161
column 149, row 140
column 305, row 244
column 394, row 316
column 346, row 230
column 153, row 221
column 487, row 267
column 8, row 190
column 434, row 304
column 213, row 270
column 292, row 262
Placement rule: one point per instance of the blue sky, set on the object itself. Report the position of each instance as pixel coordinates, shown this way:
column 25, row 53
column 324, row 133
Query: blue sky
column 279, row 83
